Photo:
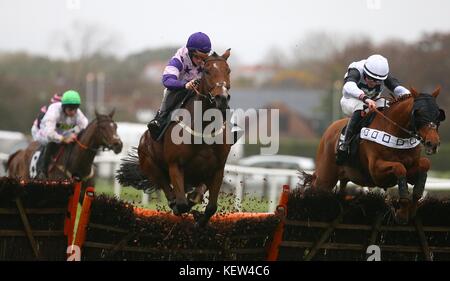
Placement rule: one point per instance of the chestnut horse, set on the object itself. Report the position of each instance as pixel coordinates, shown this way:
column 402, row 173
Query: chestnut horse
column 413, row 116
column 165, row 164
column 72, row 160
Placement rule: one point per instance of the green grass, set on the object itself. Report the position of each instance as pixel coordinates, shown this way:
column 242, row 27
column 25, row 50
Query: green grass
column 157, row 200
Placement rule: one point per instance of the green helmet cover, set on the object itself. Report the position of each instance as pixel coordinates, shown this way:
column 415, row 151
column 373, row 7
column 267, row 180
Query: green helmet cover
column 71, row 97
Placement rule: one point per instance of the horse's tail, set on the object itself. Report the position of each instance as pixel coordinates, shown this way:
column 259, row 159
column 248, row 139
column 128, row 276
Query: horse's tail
column 130, row 174
column 10, row 158
column 305, row 179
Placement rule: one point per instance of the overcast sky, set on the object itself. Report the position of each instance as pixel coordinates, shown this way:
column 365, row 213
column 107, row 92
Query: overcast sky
column 250, row 27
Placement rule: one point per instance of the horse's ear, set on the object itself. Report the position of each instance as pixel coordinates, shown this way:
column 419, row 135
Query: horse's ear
column 414, row 92
column 226, row 55
column 111, row 114
column 96, row 113
column 441, row 115
column 436, row 91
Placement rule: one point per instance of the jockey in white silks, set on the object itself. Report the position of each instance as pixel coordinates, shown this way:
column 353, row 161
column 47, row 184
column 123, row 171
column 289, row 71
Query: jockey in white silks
column 37, row 122
column 61, row 124
column 364, row 82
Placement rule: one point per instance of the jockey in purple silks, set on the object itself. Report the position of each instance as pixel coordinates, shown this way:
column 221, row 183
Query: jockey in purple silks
column 181, row 73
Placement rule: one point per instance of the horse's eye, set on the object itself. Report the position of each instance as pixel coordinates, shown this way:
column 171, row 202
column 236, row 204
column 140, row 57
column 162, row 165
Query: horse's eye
column 207, row 72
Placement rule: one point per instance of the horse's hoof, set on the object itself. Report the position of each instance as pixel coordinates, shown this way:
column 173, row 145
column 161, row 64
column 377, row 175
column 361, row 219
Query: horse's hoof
column 201, row 223
column 196, row 214
column 180, row 209
column 172, row 205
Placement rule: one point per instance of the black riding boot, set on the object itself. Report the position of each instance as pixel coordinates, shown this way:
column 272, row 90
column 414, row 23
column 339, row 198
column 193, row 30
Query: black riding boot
column 155, row 126
column 343, row 149
column 44, row 161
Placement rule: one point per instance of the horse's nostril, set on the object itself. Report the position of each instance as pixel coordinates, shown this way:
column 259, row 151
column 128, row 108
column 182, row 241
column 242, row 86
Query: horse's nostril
column 428, row 143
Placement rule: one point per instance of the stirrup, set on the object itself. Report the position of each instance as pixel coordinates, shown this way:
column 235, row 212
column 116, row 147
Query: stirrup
column 341, row 156
column 344, row 147
column 154, row 124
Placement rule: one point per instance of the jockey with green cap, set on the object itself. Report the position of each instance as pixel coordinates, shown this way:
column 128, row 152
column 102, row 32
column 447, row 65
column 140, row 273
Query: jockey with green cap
column 60, row 125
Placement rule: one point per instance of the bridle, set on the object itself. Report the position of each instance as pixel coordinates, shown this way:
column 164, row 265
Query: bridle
column 209, row 96
column 103, row 145
column 412, row 133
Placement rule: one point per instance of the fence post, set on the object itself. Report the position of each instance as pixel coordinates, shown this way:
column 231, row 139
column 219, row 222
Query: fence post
column 144, row 198
column 84, row 217
column 281, row 211
column 71, row 214
column 273, row 193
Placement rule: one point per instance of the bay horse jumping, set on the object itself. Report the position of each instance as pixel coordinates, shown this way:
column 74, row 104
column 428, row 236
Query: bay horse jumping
column 75, row 159
column 175, row 168
column 415, row 117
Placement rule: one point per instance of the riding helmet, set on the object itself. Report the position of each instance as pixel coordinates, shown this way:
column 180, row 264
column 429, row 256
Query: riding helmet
column 199, row 41
column 71, row 97
column 377, row 67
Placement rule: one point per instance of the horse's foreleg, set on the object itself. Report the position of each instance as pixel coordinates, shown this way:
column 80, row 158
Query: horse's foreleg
column 380, row 169
column 154, row 173
column 177, row 179
column 211, row 208
column 420, row 177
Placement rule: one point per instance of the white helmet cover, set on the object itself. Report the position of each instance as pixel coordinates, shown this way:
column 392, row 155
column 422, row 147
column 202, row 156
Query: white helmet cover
column 377, row 67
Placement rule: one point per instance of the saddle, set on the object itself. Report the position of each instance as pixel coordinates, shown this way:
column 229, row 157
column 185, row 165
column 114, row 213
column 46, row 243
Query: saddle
column 353, row 158
column 166, row 121
column 38, row 158
column 36, row 161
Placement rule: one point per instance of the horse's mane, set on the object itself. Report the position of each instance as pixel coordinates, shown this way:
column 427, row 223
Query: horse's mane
column 400, row 99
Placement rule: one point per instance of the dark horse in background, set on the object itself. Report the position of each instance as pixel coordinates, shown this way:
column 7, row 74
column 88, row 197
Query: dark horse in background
column 415, row 115
column 175, row 168
column 75, row 159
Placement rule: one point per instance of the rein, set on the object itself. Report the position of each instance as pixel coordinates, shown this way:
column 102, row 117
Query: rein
column 85, row 147
column 410, row 133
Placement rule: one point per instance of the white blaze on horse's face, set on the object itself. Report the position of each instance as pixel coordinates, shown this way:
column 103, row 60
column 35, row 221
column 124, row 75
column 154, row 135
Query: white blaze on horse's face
column 224, row 88
column 115, row 135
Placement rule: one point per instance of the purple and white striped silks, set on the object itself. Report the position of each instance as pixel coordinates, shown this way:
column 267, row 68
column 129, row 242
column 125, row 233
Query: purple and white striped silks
column 180, row 70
